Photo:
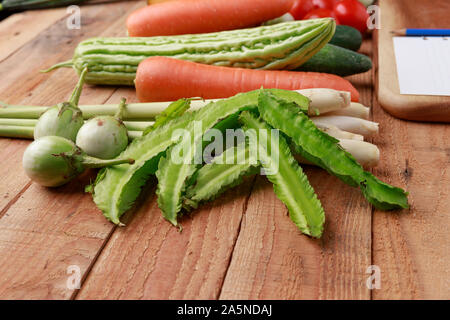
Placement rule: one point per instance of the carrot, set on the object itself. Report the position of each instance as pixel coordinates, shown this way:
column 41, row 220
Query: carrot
column 203, row 16
column 166, row 79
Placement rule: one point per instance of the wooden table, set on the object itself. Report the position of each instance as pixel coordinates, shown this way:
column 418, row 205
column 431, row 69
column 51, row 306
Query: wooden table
column 242, row 246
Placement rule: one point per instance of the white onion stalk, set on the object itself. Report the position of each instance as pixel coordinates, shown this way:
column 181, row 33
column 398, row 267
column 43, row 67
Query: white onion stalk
column 355, row 109
column 367, row 154
column 104, row 137
column 322, row 101
column 341, row 134
column 350, row 124
column 53, row 161
column 64, row 119
column 325, row 100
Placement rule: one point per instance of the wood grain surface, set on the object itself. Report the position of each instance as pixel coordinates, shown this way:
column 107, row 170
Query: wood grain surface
column 16, row 30
column 241, row 246
column 401, row 14
column 412, row 247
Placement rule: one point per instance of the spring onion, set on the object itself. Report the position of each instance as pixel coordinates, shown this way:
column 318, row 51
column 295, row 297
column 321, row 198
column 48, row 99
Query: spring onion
column 322, row 101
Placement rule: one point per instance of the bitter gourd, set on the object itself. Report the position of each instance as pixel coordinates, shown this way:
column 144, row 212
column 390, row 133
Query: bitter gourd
column 114, row 61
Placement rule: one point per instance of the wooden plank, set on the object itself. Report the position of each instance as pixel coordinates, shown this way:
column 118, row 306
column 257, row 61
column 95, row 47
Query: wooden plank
column 51, row 229
column 412, row 247
column 14, row 180
column 20, row 28
column 150, row 259
column 22, row 80
column 42, row 234
column 272, row 260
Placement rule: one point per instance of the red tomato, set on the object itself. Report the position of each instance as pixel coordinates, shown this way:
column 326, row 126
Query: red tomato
column 321, row 13
column 324, row 4
column 352, row 13
column 301, row 8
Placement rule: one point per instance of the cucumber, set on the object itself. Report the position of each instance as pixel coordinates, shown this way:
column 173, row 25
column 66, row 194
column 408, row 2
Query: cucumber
column 337, row 60
column 347, row 37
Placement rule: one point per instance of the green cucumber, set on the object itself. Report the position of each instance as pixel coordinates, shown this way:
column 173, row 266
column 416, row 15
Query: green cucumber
column 347, row 37
column 337, row 60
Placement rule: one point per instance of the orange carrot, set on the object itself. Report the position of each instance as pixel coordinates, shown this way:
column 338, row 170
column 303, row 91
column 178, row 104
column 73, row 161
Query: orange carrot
column 166, row 79
column 203, row 16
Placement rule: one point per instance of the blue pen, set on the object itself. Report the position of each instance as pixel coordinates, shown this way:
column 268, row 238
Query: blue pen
column 422, row 32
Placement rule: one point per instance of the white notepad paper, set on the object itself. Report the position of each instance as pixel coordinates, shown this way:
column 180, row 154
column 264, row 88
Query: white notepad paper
column 423, row 65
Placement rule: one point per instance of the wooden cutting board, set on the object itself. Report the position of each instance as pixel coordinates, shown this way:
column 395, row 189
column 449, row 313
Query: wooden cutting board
column 400, row 14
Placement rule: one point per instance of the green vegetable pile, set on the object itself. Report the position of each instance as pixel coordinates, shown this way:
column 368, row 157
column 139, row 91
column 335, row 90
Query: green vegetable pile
column 183, row 185
column 184, row 150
